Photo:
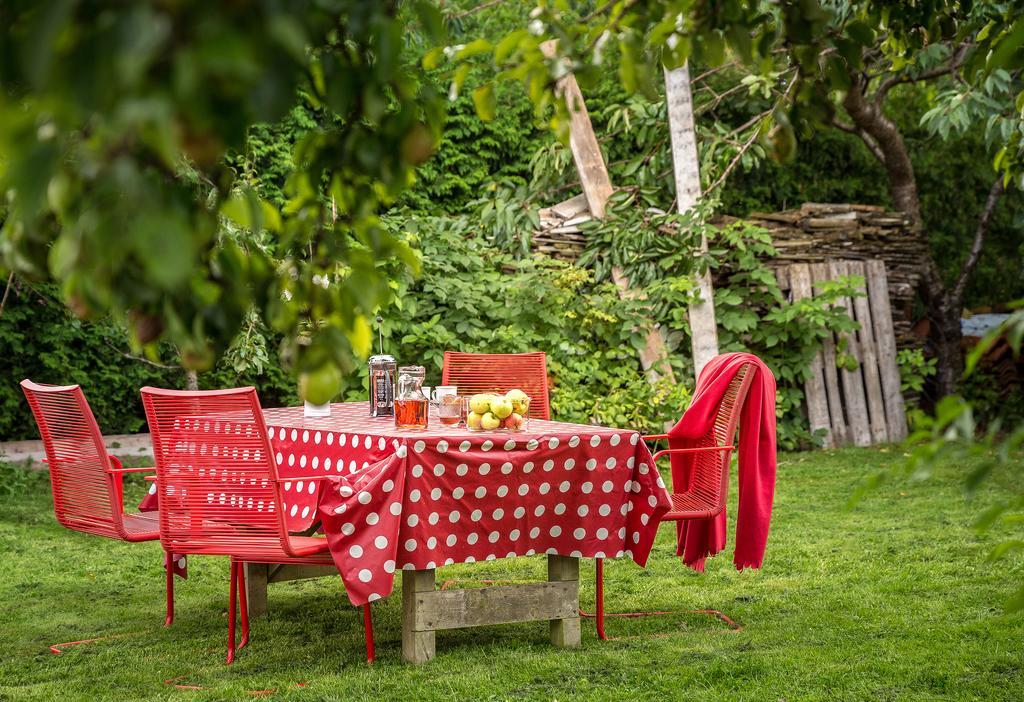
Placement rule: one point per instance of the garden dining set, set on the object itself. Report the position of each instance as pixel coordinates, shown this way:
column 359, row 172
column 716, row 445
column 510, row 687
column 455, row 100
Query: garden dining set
column 284, row 495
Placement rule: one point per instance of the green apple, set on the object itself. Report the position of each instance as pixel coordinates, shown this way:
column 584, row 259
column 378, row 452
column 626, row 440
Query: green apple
column 501, row 407
column 490, row 422
column 481, row 404
column 473, row 420
column 519, row 399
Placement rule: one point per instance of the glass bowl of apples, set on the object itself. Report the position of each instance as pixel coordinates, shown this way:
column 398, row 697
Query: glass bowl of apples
column 498, row 412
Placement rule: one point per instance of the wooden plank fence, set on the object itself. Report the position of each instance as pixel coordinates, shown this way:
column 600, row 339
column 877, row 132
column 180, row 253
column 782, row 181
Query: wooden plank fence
column 863, row 406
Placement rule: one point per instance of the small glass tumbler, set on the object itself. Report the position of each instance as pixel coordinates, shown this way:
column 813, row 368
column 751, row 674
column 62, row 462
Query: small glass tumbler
column 449, row 410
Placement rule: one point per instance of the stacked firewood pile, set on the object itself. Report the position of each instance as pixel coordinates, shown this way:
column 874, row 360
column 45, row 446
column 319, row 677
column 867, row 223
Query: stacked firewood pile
column 559, row 235
column 813, row 233
column 816, row 233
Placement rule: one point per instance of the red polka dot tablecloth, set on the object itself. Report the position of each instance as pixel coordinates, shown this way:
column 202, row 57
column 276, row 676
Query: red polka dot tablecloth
column 420, row 499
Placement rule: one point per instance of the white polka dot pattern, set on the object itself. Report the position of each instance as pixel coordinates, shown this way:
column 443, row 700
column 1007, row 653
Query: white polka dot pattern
column 416, row 499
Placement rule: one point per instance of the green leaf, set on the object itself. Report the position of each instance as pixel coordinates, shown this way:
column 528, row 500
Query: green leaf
column 485, row 101
column 457, row 80
column 474, row 48
column 861, row 33
column 431, row 20
column 432, row 59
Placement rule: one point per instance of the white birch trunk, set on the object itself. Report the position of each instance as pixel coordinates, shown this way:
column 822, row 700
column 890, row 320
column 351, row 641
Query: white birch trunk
column 703, row 329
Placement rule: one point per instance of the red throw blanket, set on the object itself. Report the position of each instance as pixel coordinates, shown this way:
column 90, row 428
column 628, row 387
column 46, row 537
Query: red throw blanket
column 700, row 538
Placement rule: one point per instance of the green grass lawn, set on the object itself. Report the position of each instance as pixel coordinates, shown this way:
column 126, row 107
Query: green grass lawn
column 893, row 600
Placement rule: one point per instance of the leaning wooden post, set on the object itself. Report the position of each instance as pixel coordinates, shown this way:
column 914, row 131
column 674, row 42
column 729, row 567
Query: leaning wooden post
column 703, row 328
column 597, row 188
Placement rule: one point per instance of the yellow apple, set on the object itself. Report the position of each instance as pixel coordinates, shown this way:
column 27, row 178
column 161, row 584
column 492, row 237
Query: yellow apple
column 501, row 407
column 481, row 404
column 490, row 422
column 519, row 399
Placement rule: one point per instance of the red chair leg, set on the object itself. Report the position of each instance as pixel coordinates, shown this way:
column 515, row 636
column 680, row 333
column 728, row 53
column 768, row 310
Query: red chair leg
column 599, row 613
column 368, row 627
column 243, row 605
column 169, row 567
column 231, row 613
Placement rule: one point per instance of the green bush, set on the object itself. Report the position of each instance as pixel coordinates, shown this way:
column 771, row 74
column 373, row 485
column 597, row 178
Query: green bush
column 41, row 340
column 472, row 296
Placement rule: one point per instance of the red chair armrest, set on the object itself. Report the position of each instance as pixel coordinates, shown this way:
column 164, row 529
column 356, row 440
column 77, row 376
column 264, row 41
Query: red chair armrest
column 117, row 467
column 701, row 449
column 139, row 469
column 654, row 437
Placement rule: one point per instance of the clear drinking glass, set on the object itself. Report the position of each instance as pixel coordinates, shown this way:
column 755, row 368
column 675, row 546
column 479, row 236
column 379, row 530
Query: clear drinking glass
column 449, row 409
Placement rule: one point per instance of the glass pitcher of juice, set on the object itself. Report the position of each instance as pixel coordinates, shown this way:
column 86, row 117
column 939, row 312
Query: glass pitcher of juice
column 410, row 402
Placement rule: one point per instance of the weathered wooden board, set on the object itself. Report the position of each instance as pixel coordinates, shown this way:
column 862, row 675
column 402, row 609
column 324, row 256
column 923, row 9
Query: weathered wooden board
column 426, row 610
column 885, row 338
column 565, row 630
column 840, row 432
column 799, row 278
column 256, row 588
column 853, row 382
column 586, row 152
column 866, row 344
column 597, row 188
column 284, row 573
column 418, row 645
column 862, row 406
column 259, row 575
column 498, row 604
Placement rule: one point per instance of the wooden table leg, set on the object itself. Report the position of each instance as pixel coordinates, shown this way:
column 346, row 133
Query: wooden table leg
column 418, row 646
column 256, row 588
column 566, row 632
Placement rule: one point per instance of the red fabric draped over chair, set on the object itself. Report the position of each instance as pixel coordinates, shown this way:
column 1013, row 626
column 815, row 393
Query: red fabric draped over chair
column 701, row 447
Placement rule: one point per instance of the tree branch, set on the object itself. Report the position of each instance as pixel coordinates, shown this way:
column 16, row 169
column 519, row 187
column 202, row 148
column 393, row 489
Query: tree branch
column 957, row 297
column 751, row 139
column 7, row 291
column 712, row 71
column 140, row 359
column 599, row 11
column 474, row 10
column 864, row 136
column 955, row 61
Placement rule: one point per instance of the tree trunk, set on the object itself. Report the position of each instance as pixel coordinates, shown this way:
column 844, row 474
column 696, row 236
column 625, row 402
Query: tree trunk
column 191, row 379
column 873, row 123
column 703, row 328
column 945, row 307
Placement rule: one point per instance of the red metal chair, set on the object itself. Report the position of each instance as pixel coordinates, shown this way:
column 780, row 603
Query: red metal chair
column 500, row 372
column 707, row 493
column 219, row 490
column 87, row 482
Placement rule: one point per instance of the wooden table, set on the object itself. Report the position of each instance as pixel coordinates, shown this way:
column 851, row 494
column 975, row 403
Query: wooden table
column 427, row 610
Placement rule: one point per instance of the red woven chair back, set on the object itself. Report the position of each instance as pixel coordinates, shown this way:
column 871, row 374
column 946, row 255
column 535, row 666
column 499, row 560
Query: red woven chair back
column 84, row 496
column 216, row 475
column 500, row 372
column 709, row 485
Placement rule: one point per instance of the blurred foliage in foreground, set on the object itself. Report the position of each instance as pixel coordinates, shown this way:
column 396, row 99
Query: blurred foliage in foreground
column 953, row 436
